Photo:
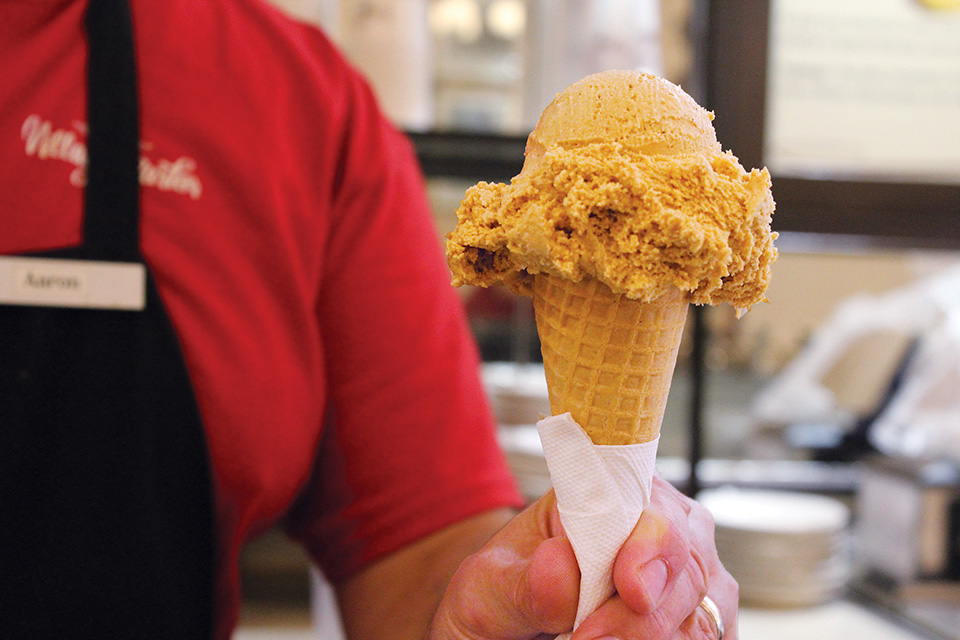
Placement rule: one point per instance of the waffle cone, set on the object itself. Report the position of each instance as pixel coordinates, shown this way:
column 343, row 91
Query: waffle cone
column 609, row 359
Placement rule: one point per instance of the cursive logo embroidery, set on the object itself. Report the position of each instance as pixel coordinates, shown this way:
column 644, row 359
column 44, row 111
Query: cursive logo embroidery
column 41, row 140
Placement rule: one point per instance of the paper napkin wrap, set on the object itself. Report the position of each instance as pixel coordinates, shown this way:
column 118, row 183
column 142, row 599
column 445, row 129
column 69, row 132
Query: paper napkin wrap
column 601, row 492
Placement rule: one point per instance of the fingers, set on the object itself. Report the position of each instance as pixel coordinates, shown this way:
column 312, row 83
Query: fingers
column 619, row 619
column 664, row 551
column 725, row 593
column 525, row 581
column 698, row 626
column 662, row 573
column 549, row 583
column 552, row 586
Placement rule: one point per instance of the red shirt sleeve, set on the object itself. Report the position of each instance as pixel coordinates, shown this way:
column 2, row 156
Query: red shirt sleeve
column 409, row 445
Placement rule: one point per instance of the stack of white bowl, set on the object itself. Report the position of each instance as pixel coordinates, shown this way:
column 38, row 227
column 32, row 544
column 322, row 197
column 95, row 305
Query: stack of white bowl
column 521, row 445
column 518, row 392
column 785, row 549
column 518, row 396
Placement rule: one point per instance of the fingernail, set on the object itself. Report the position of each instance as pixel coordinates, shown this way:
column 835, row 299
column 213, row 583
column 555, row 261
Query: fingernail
column 653, row 577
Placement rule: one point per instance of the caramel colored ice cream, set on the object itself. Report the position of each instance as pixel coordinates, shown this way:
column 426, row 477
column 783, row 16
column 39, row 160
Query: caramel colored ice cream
column 625, row 211
column 623, row 181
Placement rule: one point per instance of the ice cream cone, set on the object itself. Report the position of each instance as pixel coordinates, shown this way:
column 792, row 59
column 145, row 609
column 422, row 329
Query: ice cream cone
column 609, row 359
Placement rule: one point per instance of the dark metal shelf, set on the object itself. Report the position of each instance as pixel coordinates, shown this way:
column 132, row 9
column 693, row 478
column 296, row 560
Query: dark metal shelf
column 474, row 156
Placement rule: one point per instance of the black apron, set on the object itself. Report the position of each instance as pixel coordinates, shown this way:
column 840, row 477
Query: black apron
column 105, row 492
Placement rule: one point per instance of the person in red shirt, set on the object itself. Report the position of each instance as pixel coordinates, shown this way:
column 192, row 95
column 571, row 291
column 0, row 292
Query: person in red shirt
column 315, row 370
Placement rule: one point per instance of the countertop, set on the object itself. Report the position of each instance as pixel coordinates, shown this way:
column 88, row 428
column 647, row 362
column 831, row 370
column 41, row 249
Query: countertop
column 840, row 620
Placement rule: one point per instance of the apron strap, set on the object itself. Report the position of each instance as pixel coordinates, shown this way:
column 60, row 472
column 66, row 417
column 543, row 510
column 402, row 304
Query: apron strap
column 112, row 192
column 106, row 501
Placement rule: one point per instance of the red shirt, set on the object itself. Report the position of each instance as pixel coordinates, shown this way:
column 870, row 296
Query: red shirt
column 286, row 224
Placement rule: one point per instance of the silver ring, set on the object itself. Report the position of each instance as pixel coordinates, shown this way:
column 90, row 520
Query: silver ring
column 713, row 610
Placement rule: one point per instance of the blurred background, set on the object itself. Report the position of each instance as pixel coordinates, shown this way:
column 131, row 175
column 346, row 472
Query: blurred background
column 822, row 428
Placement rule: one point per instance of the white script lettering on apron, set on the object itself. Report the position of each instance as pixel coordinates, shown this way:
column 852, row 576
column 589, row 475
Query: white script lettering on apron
column 41, row 140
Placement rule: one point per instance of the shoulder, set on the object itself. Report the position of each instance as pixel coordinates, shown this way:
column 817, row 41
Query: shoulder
column 278, row 84
column 250, row 42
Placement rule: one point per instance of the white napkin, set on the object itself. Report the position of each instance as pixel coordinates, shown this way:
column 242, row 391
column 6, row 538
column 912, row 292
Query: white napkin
column 601, row 492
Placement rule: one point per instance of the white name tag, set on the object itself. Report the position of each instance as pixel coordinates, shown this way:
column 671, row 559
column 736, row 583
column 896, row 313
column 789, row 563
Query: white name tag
column 72, row 283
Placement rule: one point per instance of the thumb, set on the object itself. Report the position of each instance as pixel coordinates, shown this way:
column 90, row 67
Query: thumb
column 524, row 582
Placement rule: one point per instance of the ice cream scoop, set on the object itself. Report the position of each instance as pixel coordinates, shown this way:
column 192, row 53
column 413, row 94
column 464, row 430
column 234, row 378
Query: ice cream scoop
column 626, row 210
column 623, row 181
